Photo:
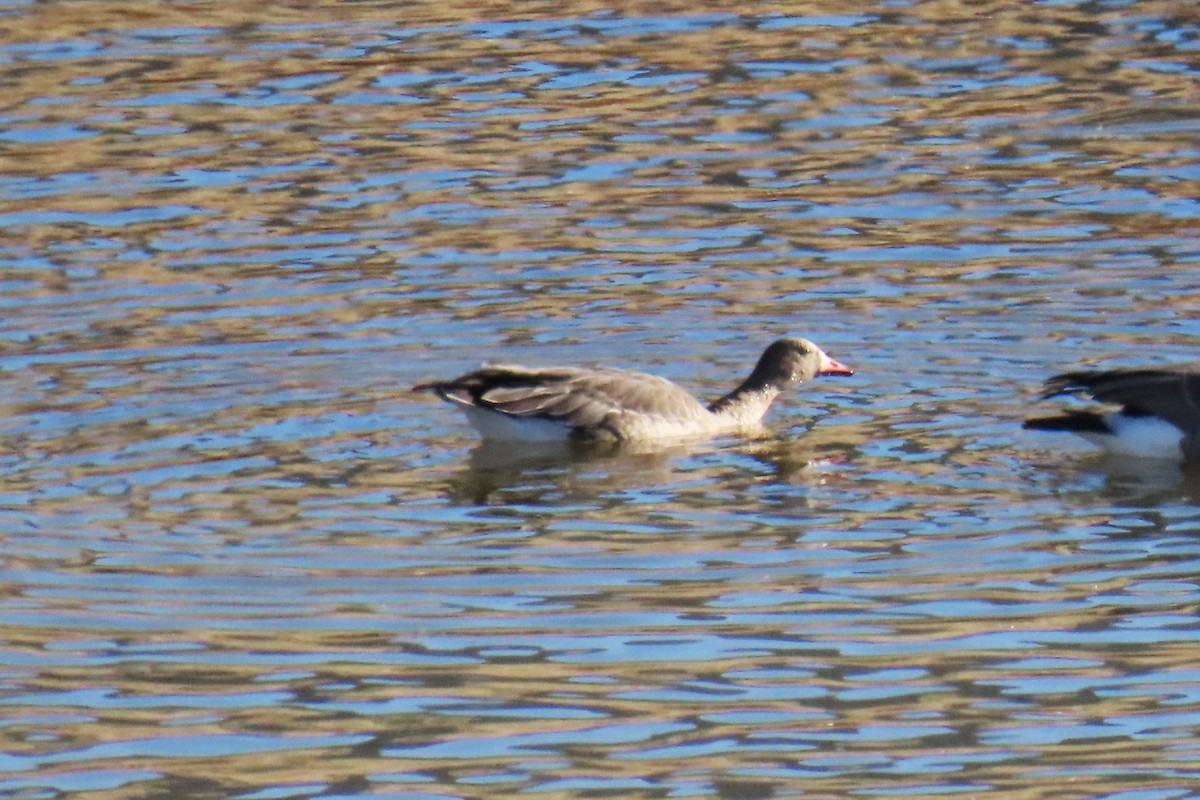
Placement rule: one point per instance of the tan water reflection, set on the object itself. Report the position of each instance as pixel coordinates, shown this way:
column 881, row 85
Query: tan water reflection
column 238, row 560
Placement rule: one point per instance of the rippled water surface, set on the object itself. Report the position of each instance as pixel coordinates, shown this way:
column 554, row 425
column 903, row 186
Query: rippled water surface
column 239, row 559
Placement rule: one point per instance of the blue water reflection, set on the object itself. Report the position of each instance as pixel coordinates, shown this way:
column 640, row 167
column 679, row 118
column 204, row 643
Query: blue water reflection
column 240, row 559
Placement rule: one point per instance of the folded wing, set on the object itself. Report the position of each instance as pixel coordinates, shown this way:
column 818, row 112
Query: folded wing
column 1172, row 394
column 610, row 400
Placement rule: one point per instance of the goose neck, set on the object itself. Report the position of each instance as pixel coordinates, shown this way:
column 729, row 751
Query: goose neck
column 746, row 404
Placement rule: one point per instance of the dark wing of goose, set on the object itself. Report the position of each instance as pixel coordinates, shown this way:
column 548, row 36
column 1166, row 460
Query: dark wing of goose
column 470, row 388
column 1173, row 394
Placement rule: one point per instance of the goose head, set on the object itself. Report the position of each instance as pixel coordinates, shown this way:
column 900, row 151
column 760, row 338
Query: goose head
column 788, row 362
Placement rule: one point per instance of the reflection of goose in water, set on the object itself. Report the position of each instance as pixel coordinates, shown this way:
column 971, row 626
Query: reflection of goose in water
column 513, row 403
column 1159, row 415
column 565, row 468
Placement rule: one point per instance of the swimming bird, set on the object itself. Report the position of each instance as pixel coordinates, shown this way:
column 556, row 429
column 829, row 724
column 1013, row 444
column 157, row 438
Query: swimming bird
column 508, row 402
column 1159, row 415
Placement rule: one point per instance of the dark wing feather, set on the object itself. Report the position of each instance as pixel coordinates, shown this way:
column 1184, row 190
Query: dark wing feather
column 1173, row 393
column 469, row 388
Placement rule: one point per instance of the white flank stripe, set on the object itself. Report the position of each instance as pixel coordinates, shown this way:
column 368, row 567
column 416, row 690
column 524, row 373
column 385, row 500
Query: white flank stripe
column 515, row 429
column 1140, row 436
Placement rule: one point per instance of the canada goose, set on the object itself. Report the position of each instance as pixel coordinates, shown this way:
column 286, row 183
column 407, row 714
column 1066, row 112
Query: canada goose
column 1159, row 415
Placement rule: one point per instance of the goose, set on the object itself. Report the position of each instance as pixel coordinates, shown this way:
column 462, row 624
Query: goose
column 513, row 403
column 1159, row 415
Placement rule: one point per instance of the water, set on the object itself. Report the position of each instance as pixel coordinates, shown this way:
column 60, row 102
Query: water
column 239, row 560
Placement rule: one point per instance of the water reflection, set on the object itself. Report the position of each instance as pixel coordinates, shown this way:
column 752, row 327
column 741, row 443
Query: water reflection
column 237, row 561
column 1139, row 482
column 513, row 470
